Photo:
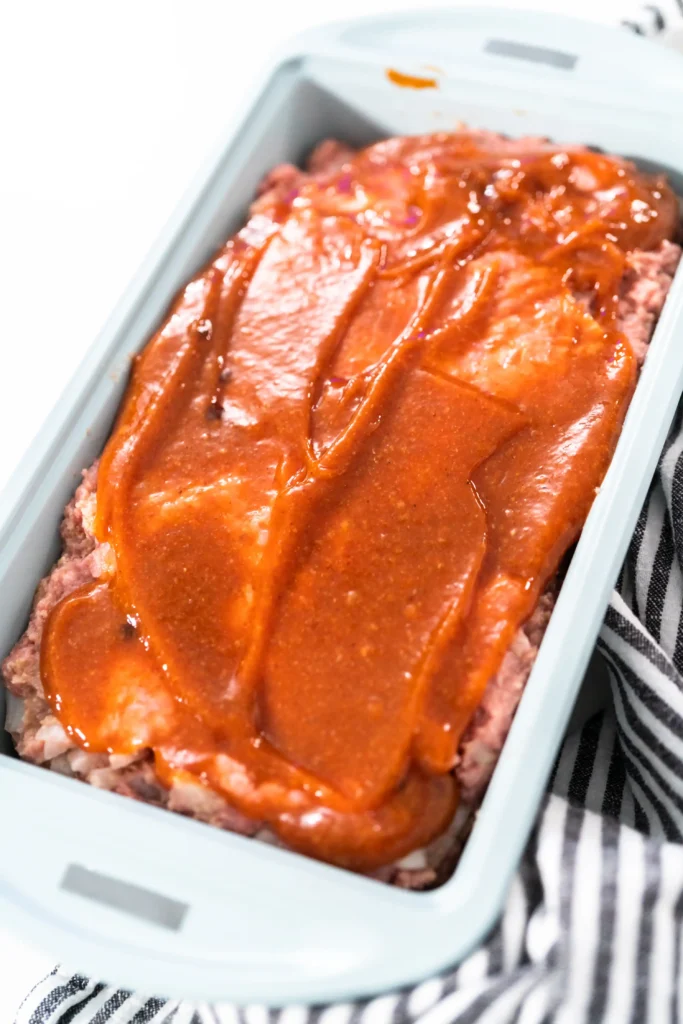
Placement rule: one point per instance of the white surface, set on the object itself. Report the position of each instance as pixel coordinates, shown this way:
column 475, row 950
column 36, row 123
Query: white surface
column 20, row 968
column 112, row 108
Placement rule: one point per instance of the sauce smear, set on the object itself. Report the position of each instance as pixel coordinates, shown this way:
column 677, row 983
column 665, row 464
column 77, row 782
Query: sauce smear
column 411, row 81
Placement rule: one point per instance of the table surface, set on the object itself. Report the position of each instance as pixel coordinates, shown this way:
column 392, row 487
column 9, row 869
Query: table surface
column 113, row 109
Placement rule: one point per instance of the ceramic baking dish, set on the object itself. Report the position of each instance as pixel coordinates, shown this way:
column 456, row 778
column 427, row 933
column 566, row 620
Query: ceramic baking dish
column 152, row 901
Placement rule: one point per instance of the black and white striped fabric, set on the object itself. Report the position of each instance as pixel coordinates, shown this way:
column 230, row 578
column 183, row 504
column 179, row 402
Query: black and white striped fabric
column 593, row 926
column 662, row 20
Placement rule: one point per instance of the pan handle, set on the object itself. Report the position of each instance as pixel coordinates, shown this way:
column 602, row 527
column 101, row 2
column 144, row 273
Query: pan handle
column 146, row 900
column 502, row 45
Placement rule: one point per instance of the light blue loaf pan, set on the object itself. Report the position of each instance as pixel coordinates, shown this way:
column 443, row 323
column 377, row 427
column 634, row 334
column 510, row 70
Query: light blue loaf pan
column 215, row 916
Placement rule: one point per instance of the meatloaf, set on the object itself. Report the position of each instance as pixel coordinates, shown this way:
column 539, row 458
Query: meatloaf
column 40, row 736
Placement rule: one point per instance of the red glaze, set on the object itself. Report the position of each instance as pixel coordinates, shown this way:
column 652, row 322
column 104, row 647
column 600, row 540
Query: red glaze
column 344, row 470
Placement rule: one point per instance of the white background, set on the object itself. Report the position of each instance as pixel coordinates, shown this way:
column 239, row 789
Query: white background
column 108, row 111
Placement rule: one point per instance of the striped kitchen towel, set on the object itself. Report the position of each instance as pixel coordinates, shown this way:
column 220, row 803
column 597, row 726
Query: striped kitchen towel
column 593, row 926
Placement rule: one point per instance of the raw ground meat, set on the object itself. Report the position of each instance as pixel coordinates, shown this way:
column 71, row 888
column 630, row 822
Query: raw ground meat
column 40, row 738
column 645, row 286
column 484, row 737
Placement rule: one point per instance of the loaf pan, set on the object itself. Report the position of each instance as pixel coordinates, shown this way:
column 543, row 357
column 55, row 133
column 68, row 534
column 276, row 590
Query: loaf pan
column 157, row 903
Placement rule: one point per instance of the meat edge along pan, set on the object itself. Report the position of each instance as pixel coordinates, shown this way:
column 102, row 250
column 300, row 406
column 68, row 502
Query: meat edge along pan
column 154, row 902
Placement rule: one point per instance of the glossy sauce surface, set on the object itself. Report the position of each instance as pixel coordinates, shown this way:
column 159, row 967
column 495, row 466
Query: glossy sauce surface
column 344, row 471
